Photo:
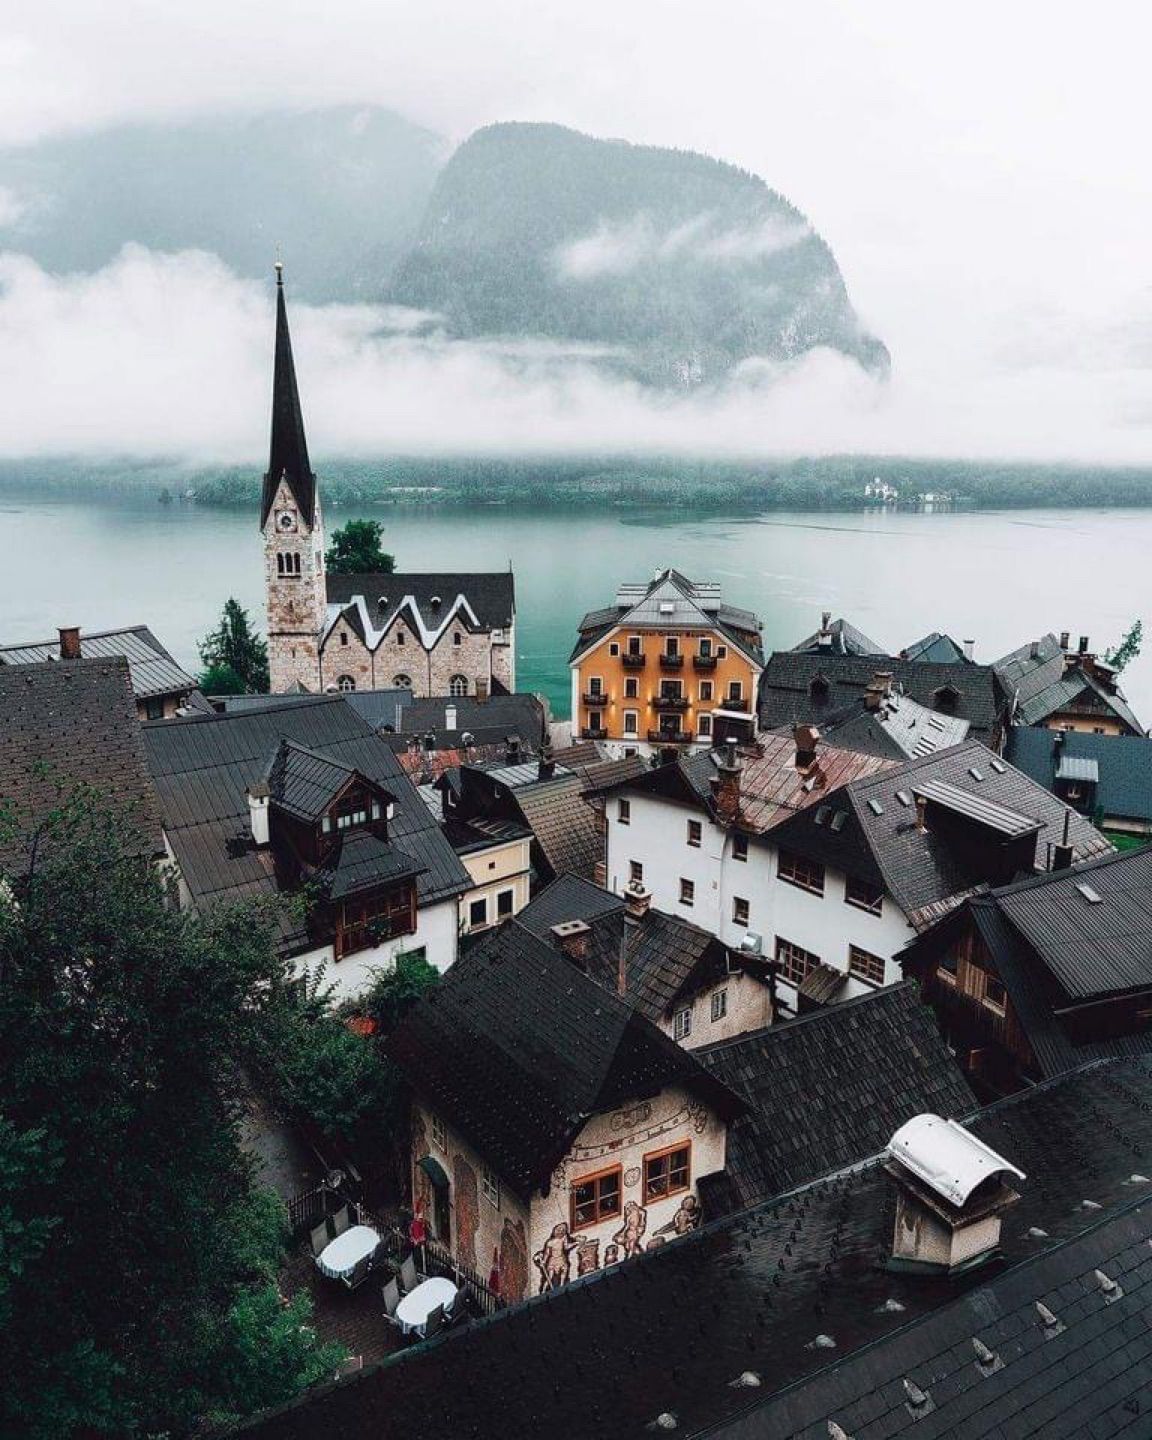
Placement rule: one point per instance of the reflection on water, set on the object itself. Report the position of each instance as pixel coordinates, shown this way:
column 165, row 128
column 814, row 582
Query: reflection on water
column 997, row 578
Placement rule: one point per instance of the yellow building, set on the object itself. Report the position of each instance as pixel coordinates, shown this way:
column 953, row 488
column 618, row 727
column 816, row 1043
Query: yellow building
column 668, row 666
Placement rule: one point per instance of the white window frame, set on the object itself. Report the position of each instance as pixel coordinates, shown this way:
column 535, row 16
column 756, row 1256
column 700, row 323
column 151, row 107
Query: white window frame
column 682, row 1023
column 623, row 812
column 690, row 887
column 631, row 722
column 490, row 1187
column 719, row 1008
column 704, row 725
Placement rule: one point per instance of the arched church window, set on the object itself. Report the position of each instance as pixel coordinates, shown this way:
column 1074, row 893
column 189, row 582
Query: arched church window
column 296, row 564
column 458, row 685
column 402, row 682
column 279, row 563
column 346, row 682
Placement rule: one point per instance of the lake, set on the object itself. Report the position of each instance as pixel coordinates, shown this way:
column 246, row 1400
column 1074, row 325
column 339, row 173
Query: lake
column 998, row 577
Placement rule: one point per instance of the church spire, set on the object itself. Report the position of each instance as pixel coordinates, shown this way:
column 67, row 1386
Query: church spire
column 288, row 458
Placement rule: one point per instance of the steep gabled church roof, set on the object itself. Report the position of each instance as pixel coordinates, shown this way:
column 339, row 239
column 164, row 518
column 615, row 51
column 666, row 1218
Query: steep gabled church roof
column 288, row 455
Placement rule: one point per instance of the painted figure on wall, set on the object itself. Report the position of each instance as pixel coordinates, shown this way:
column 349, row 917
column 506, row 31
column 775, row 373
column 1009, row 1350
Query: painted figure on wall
column 513, row 1260
column 467, row 1198
column 686, row 1219
column 554, row 1258
column 630, row 1236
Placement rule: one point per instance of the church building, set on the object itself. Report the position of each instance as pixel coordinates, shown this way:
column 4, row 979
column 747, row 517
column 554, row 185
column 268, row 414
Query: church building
column 435, row 634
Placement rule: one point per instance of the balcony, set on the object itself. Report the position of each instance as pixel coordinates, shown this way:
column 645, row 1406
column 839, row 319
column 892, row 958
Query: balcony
column 593, row 732
column 670, row 737
column 670, row 702
column 736, row 704
column 703, row 662
column 595, row 699
column 671, row 662
column 632, row 662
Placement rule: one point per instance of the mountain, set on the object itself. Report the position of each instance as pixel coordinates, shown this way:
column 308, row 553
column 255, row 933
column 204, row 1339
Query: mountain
column 340, row 190
column 675, row 266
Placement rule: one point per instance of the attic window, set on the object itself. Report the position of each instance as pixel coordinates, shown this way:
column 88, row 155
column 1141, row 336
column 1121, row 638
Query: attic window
column 667, row 607
column 838, row 821
column 1092, row 896
column 875, row 807
column 945, row 698
column 818, row 687
column 904, row 797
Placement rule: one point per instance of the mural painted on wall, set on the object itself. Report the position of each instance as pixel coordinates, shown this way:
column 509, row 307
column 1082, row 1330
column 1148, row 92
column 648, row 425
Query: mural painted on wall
column 630, row 1236
column 513, row 1260
column 421, row 1185
column 466, row 1198
column 634, row 1126
column 554, row 1259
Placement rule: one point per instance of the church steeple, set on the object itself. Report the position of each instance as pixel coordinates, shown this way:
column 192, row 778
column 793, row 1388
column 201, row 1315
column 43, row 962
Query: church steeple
column 288, row 457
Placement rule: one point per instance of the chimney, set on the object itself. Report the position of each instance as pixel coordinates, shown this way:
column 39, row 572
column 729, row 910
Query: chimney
column 1034, row 650
column 547, row 767
column 969, row 649
column 879, row 689
column 481, row 689
column 637, row 899
column 807, row 738
column 824, row 640
column 70, row 642
column 258, row 813
column 1083, row 647
column 726, row 784
column 512, row 749
column 573, row 938
column 921, row 815
column 1057, row 743
column 1065, row 639
column 952, row 1193
column 1062, row 854
column 450, row 717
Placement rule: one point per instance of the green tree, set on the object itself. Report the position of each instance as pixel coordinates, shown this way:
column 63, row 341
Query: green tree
column 234, row 646
column 221, row 680
column 136, row 1254
column 355, row 550
column 1122, row 655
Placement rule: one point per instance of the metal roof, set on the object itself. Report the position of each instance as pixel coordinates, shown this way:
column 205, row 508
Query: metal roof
column 1123, row 762
column 1078, row 767
column 153, row 670
column 948, row 1158
column 976, row 808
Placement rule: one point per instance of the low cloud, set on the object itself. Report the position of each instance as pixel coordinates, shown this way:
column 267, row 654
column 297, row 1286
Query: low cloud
column 163, row 354
column 616, row 247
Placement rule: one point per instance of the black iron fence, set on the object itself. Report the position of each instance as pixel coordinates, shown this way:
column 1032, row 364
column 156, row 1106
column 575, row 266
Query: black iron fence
column 438, row 1260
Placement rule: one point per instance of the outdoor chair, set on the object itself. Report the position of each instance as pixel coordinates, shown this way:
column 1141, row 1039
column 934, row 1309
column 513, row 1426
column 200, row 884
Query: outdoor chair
column 391, row 1299
column 341, row 1221
column 434, row 1323
column 408, row 1277
column 358, row 1274
column 319, row 1237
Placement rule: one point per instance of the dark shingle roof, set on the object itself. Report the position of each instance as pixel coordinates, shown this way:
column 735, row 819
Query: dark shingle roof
column 490, row 593
column 936, row 649
column 1043, row 683
column 202, row 768
column 1123, row 766
column 923, row 870
column 66, row 725
column 843, row 639
column 569, row 897
column 153, row 670
column 362, row 861
column 563, row 822
column 787, row 694
column 489, row 722
column 830, row 1088
column 304, row 783
column 517, row 1049
column 671, row 601
column 898, row 729
column 673, row 1331
column 288, row 451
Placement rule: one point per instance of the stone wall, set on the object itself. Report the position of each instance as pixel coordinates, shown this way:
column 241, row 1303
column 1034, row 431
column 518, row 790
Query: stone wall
column 295, row 604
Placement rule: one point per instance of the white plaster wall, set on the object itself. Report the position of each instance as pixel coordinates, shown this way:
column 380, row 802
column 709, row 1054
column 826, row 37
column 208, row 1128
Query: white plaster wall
column 504, row 867
column 658, row 837
column 749, row 1008
column 436, row 931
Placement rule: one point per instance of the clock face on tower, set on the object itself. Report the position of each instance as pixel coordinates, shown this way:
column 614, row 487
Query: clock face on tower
column 285, row 520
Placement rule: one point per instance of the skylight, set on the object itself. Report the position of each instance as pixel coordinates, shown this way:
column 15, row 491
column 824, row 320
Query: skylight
column 904, row 797
column 838, row 820
column 1092, row 896
column 875, row 807
column 976, row 774
column 999, row 767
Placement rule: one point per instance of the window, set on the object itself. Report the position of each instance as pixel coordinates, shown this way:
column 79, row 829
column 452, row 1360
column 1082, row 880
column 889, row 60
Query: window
column 705, row 647
column 401, row 637
column 865, row 966
column 740, row 910
column 490, row 1187
column 346, row 682
column 740, row 847
column 995, row 996
column 458, row 685
column 343, row 637
column 362, row 924
column 667, row 1172
column 636, row 872
column 439, row 1132
column 704, row 725
column 457, row 638
column 863, row 895
column 672, row 645
column 596, row 685
column 634, row 645
column 705, row 689
column 154, row 707
column 735, row 692
column 795, row 962
column 505, row 901
column 478, row 911
column 349, row 818
column 687, row 892
column 631, row 722
column 682, row 1023
column 719, row 1005
column 631, row 688
column 614, row 649
column 594, row 1197
column 630, row 752
column 695, row 833
column 624, row 812
column 288, row 564
column 797, row 870
column 402, row 682
column 671, row 690
column 722, row 652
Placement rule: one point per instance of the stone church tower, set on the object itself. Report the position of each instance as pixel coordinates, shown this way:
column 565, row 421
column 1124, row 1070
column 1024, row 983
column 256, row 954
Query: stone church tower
column 293, row 529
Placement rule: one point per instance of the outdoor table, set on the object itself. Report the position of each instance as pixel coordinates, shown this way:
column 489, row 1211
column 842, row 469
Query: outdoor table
column 341, row 1256
column 418, row 1304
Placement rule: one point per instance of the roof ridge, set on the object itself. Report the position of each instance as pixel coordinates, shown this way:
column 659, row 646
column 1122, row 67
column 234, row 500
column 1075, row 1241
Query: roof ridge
column 825, row 1012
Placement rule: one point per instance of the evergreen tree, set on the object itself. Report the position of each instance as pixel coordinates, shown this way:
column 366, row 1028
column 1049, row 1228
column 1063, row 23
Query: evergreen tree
column 234, row 647
column 1122, row 655
column 137, row 1257
column 355, row 550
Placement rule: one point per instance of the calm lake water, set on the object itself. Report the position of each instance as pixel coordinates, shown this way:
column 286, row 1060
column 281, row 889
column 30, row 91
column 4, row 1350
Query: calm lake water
column 1000, row 578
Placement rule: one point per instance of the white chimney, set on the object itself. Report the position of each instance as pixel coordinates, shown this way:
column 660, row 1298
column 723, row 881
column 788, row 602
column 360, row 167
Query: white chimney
column 258, row 813
column 952, row 1195
column 969, row 649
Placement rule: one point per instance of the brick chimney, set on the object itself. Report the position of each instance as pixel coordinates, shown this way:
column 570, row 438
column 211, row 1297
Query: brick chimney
column 1065, row 639
column 879, row 689
column 921, row 815
column 726, row 784
column 70, row 642
column 952, row 1193
column 807, row 738
column 574, row 938
column 637, row 899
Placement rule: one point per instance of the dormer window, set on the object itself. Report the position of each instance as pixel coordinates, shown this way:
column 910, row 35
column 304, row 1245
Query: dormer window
column 945, row 698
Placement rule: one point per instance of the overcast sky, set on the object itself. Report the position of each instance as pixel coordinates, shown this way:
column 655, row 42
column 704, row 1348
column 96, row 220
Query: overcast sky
column 981, row 172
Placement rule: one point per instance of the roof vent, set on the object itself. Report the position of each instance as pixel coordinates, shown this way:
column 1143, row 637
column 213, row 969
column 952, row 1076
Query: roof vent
column 904, row 797
column 1053, row 1325
column 838, row 821
column 977, row 775
column 1110, row 1289
column 667, row 607
column 987, row 1361
column 999, row 767
column 450, row 717
column 952, row 1195
column 918, row 1402
column 382, row 602
column 875, row 807
column 1092, row 896
column 435, row 602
